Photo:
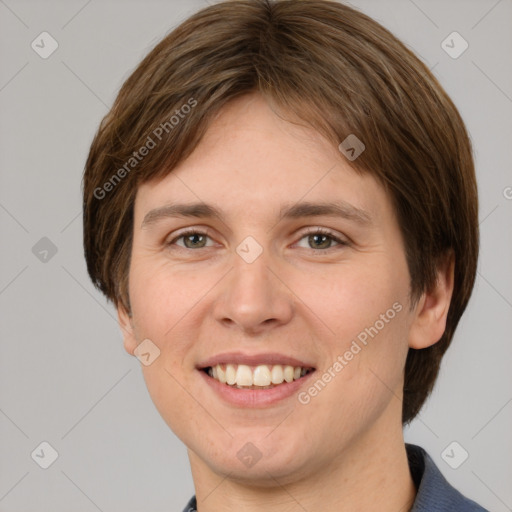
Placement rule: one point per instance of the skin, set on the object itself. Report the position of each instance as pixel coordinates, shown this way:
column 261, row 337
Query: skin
column 303, row 296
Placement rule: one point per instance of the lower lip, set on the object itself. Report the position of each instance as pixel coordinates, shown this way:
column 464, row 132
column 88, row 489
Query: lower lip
column 255, row 397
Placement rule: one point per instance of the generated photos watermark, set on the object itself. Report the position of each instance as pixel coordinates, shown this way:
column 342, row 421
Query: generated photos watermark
column 343, row 360
column 151, row 143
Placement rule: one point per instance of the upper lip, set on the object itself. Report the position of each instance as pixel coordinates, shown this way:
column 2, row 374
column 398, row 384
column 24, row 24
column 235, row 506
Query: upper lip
column 252, row 360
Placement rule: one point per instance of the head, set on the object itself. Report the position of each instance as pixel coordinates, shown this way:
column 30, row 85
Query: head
column 244, row 107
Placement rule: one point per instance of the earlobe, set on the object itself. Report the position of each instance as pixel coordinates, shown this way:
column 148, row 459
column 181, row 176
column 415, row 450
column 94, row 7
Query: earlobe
column 429, row 321
column 127, row 329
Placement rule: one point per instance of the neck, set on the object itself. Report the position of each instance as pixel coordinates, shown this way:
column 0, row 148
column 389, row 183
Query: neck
column 371, row 473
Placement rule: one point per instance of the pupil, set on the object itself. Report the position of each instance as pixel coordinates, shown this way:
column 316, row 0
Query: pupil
column 318, row 238
column 193, row 239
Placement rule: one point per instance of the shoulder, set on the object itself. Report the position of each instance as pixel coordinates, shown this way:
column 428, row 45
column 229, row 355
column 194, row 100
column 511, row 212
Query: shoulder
column 435, row 494
column 191, row 505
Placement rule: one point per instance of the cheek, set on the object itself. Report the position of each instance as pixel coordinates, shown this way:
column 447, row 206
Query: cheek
column 365, row 310
column 161, row 296
column 159, row 305
column 352, row 298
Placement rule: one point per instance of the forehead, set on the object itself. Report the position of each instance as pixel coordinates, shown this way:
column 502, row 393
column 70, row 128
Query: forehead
column 252, row 161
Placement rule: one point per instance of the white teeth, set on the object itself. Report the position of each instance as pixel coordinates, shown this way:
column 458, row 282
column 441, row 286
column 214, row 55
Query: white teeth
column 262, row 375
column 221, row 374
column 230, row 374
column 277, row 374
column 288, row 373
column 243, row 375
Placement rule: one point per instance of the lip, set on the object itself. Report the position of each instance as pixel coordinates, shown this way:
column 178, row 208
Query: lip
column 255, row 398
column 252, row 360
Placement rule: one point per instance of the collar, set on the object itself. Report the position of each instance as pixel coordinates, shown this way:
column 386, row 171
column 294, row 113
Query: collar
column 434, row 492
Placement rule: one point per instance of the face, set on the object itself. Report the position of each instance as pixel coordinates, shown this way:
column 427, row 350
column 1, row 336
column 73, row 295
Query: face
column 297, row 261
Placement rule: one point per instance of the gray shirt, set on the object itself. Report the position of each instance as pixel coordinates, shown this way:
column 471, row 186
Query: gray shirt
column 434, row 494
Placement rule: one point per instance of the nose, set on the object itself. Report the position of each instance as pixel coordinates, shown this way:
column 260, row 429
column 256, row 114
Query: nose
column 253, row 297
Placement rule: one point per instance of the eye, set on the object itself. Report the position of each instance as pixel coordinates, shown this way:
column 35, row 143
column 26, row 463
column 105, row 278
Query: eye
column 192, row 239
column 320, row 239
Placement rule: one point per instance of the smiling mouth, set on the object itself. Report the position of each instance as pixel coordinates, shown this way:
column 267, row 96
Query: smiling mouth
column 263, row 376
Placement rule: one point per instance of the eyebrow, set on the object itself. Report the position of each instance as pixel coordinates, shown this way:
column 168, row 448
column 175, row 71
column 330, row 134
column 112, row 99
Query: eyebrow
column 294, row 211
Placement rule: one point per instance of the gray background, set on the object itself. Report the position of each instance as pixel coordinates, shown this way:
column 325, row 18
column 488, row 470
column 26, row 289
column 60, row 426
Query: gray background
column 64, row 375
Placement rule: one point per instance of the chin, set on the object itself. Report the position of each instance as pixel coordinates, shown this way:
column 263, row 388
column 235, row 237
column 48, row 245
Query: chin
column 263, row 463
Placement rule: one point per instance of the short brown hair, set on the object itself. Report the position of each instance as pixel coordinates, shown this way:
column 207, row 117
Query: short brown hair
column 330, row 67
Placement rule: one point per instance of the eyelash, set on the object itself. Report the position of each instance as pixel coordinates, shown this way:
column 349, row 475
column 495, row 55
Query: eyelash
column 313, row 232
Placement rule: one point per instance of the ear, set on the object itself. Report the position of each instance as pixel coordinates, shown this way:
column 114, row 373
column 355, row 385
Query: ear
column 429, row 322
column 126, row 325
